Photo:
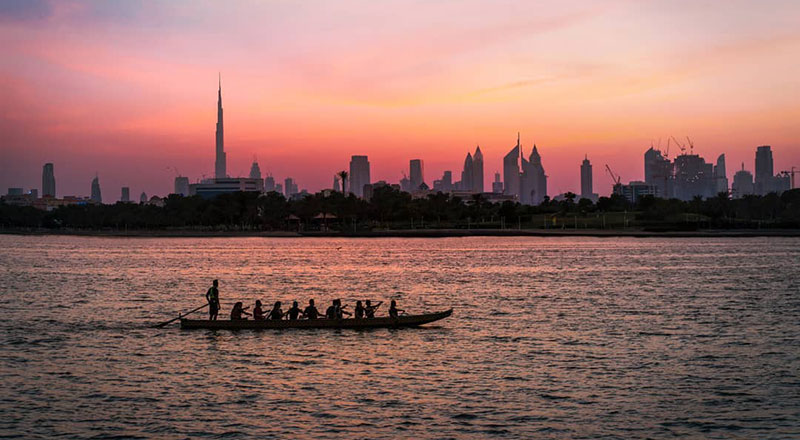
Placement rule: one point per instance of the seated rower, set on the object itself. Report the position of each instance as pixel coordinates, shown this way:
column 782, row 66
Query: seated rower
column 238, row 311
column 294, row 312
column 276, row 313
column 340, row 312
column 311, row 311
column 369, row 309
column 359, row 310
column 393, row 310
column 258, row 312
column 330, row 312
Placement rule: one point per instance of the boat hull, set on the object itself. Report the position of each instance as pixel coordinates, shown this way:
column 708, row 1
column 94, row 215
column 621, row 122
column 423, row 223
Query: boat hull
column 382, row 322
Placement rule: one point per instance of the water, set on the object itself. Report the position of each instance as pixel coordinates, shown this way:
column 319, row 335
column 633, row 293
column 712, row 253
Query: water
column 550, row 338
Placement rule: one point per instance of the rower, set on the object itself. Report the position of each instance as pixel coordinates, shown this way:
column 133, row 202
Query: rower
column 258, row 312
column 369, row 310
column 340, row 312
column 311, row 311
column 294, row 311
column 276, row 313
column 212, row 296
column 238, row 311
column 393, row 310
column 359, row 310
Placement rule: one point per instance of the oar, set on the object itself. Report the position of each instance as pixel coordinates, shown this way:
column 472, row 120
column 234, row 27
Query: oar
column 179, row 317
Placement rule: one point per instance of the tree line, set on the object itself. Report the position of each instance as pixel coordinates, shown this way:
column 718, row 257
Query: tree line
column 389, row 208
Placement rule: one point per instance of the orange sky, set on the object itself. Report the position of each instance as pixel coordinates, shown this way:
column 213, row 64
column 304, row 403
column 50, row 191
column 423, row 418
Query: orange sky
column 128, row 89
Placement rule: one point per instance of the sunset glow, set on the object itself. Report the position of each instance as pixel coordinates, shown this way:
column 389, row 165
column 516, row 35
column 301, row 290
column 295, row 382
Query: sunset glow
column 128, row 89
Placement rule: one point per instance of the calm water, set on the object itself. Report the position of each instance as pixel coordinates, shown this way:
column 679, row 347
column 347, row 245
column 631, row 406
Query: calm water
column 551, row 338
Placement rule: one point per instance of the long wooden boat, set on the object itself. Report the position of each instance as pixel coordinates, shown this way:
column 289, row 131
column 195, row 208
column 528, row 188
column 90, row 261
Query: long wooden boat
column 382, row 322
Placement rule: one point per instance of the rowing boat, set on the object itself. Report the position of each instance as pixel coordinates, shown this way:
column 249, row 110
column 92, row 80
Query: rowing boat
column 382, row 322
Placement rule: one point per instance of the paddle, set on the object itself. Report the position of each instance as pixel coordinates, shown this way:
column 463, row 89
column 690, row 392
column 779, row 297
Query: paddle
column 179, row 317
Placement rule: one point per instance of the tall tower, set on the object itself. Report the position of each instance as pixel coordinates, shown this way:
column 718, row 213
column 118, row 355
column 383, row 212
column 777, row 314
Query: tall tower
column 467, row 176
column 417, row 171
column 586, row 179
column 48, row 181
column 511, row 177
column 96, row 195
column 220, row 166
column 764, row 170
column 359, row 174
column 477, row 170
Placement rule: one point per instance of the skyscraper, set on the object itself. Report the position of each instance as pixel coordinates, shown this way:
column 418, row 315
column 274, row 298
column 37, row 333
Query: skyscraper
column 255, row 171
column 336, row 186
column 182, row 185
column 143, row 197
column 764, row 170
column 269, row 184
column 126, row 195
column 586, row 179
column 417, row 177
column 220, row 166
column 48, row 181
column 497, row 185
column 658, row 172
column 693, row 177
column 742, row 184
column 289, row 187
column 96, row 196
column 447, row 181
column 477, row 169
column 359, row 174
column 720, row 176
column 533, row 183
column 467, row 174
column 511, row 181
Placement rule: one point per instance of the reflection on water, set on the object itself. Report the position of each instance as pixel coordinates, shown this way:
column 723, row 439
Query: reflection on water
column 551, row 338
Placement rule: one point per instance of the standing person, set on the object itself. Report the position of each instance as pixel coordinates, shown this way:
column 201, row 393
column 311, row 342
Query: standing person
column 311, row 311
column 276, row 313
column 369, row 310
column 294, row 311
column 212, row 296
column 393, row 310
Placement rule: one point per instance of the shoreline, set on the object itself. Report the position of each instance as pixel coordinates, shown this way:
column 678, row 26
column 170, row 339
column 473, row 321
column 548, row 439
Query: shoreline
column 416, row 233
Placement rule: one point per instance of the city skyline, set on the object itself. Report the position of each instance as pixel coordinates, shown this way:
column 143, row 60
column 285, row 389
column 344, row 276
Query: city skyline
column 95, row 110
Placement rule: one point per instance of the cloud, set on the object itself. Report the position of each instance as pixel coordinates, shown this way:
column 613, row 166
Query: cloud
column 24, row 10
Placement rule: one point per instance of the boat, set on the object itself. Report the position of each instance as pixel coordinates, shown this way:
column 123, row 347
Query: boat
column 381, row 322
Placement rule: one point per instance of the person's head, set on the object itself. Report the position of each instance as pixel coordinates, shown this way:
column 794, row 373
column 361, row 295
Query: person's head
column 393, row 303
column 358, row 303
column 277, row 304
column 216, row 283
column 258, row 303
column 369, row 303
column 294, row 304
column 238, row 305
column 311, row 302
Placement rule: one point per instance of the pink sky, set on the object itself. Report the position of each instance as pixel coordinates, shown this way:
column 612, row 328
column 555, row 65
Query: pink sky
column 128, row 89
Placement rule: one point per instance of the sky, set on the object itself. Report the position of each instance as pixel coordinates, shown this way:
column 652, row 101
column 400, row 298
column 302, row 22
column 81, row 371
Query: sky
column 127, row 89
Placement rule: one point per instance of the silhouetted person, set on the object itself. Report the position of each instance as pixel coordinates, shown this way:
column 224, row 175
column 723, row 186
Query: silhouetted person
column 393, row 310
column 258, row 312
column 238, row 311
column 212, row 296
column 311, row 311
column 294, row 311
column 359, row 310
column 276, row 312
column 330, row 312
column 369, row 310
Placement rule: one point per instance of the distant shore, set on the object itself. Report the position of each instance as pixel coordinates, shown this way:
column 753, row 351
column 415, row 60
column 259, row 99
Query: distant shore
column 417, row 233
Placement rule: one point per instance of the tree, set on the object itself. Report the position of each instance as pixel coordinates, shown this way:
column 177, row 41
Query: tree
column 343, row 175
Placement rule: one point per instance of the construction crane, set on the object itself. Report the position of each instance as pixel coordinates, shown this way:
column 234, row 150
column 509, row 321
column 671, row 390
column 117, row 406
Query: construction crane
column 791, row 176
column 666, row 153
column 681, row 146
column 691, row 145
column 614, row 177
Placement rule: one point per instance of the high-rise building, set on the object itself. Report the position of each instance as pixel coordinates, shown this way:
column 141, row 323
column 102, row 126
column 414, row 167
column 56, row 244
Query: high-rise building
column 533, row 183
column 125, row 197
column 587, row 191
column 255, row 171
column 497, row 185
column 290, row 187
column 336, row 186
column 477, row 170
column 720, row 176
column 220, row 166
column 467, row 175
column 143, row 197
column 48, row 181
column 359, row 174
column 511, row 177
column 764, row 170
column 658, row 171
column 693, row 177
column 447, row 181
column 405, row 184
column 279, row 188
column 96, row 195
column 34, row 193
column 742, row 184
column 416, row 171
column 269, row 184
column 182, row 185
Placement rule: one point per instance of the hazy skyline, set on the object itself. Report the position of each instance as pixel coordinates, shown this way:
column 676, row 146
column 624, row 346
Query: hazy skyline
column 128, row 89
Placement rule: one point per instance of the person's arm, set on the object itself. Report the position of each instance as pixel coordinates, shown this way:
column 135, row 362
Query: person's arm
column 344, row 312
